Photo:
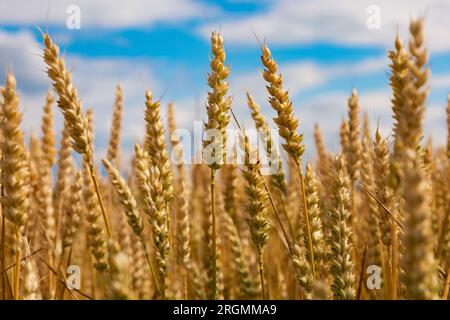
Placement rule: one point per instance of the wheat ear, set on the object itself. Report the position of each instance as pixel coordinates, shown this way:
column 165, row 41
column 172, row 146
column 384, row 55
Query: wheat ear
column 278, row 179
column 398, row 80
column 46, row 162
column 256, row 206
column 31, row 288
column 302, row 271
column 155, row 144
column 63, row 169
column 74, row 211
column 15, row 178
column 95, row 233
column 325, row 161
column 312, row 199
column 113, row 152
column 287, row 127
column 341, row 261
column 246, row 286
column 70, row 105
column 418, row 263
column 383, row 193
column 354, row 153
column 184, row 216
column 130, row 208
column 119, row 281
column 153, row 200
column 372, row 216
column 218, row 105
column 127, row 200
column 409, row 129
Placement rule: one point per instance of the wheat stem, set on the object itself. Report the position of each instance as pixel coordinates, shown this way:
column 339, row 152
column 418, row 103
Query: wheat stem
column 261, row 273
column 214, row 240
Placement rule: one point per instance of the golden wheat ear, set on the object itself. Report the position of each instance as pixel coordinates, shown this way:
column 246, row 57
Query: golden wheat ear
column 15, row 177
column 287, row 128
column 113, row 152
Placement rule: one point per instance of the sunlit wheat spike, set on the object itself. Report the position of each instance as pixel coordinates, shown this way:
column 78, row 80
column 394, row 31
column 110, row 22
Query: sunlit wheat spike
column 113, row 152
column 342, row 266
column 74, row 211
column 155, row 144
column 218, row 102
column 279, row 100
column 278, row 178
column 354, row 152
column 15, row 171
column 126, row 198
column 68, row 102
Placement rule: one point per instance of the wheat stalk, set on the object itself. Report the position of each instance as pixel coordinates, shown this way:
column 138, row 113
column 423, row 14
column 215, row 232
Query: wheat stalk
column 70, row 105
column 218, row 105
column 287, row 127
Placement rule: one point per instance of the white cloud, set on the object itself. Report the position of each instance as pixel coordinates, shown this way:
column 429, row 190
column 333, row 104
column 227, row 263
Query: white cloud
column 440, row 81
column 19, row 53
column 343, row 22
column 104, row 13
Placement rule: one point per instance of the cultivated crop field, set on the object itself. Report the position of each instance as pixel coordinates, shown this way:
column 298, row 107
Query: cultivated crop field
column 370, row 221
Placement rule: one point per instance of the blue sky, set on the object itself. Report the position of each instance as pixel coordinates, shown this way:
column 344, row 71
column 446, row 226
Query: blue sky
column 323, row 47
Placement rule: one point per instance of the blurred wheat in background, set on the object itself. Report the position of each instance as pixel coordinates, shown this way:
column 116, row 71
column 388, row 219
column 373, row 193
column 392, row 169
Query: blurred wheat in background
column 157, row 228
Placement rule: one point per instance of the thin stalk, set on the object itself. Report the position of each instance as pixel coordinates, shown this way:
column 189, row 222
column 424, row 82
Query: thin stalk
column 162, row 293
column 17, row 266
column 3, row 255
column 93, row 279
column 388, row 269
column 277, row 216
column 67, row 253
column 213, row 213
column 285, row 212
column 150, row 265
column 306, row 214
column 261, row 274
column 394, row 264
column 361, row 274
column 97, row 191
column 169, row 236
column 50, row 277
column 64, row 281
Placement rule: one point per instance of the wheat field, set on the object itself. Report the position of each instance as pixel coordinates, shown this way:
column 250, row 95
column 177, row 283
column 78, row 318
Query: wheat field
column 370, row 222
